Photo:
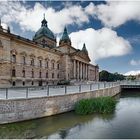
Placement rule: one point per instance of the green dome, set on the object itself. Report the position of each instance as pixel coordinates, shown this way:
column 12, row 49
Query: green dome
column 44, row 31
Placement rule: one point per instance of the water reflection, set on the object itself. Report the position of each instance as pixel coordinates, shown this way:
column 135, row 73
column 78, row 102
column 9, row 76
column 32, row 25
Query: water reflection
column 123, row 123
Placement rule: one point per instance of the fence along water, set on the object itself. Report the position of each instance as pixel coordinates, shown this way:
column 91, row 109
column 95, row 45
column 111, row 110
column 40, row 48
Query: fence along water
column 50, row 90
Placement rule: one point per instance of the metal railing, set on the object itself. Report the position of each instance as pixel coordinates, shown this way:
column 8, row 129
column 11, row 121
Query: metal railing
column 32, row 92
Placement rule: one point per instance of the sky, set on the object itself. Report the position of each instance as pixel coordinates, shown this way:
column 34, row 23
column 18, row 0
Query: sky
column 110, row 29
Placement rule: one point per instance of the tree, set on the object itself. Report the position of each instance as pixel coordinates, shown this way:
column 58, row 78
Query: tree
column 107, row 76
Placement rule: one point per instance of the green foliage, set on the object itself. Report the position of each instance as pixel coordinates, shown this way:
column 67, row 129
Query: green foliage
column 95, row 105
column 107, row 76
column 131, row 77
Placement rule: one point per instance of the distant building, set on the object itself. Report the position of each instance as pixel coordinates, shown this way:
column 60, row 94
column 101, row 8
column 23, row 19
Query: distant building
column 25, row 62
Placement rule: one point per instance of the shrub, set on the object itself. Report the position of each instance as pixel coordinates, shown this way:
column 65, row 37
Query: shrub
column 95, row 105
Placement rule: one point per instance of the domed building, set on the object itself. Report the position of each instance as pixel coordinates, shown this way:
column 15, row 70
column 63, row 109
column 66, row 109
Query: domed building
column 40, row 61
column 45, row 36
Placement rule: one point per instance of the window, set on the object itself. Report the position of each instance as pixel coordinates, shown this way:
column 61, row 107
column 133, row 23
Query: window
column 14, row 83
column 13, row 72
column 32, row 62
column 47, row 64
column 46, row 74
column 57, row 75
column 40, row 74
column 40, row 63
column 52, row 75
column 32, row 73
column 14, row 58
column 23, row 72
column 24, row 60
column 23, row 83
column 58, row 66
column 53, row 65
column 32, row 83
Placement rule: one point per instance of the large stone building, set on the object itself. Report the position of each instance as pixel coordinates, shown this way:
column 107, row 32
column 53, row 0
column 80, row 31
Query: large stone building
column 40, row 61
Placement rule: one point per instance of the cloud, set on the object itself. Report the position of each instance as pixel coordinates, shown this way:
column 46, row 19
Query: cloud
column 135, row 62
column 132, row 73
column 101, row 43
column 116, row 13
column 29, row 18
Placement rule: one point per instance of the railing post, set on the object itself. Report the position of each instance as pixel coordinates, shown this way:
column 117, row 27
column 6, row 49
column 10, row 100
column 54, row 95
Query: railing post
column 104, row 85
column 48, row 91
column 79, row 88
column 6, row 93
column 90, row 87
column 98, row 85
column 65, row 89
column 27, row 90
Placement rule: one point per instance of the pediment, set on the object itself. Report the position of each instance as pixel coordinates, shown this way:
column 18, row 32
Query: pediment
column 81, row 55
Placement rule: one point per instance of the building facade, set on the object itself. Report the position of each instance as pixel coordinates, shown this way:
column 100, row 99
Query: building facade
column 40, row 61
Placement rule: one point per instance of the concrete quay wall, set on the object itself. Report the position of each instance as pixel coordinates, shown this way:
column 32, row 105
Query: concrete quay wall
column 14, row 110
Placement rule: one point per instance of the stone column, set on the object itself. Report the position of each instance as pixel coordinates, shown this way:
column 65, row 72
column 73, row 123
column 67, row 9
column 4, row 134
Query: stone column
column 87, row 73
column 77, row 70
column 82, row 70
column 74, row 69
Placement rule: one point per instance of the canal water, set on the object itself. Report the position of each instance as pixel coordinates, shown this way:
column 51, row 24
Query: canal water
column 123, row 123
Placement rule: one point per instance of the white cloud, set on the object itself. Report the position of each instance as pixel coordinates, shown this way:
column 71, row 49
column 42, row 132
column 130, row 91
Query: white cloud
column 101, row 43
column 132, row 73
column 135, row 62
column 30, row 18
column 116, row 13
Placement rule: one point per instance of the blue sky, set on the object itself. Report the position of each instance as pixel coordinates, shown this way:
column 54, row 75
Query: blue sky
column 111, row 30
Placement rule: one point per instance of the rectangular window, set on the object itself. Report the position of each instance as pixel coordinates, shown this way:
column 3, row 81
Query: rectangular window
column 40, row 63
column 23, row 72
column 47, row 75
column 32, row 74
column 52, row 75
column 46, row 64
column 24, row 60
column 58, row 66
column 40, row 74
column 13, row 73
column 14, row 58
column 53, row 65
column 32, row 62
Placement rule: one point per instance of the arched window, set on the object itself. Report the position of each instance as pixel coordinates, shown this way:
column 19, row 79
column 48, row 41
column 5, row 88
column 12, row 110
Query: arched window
column 13, row 72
